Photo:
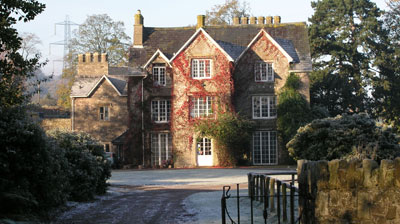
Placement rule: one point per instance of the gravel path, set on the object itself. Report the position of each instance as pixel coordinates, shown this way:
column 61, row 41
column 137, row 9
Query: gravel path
column 158, row 196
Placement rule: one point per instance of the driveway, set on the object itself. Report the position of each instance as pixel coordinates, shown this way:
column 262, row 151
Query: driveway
column 161, row 196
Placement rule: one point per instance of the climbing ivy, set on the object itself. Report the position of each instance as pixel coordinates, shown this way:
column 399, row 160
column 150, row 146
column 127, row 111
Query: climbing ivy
column 232, row 134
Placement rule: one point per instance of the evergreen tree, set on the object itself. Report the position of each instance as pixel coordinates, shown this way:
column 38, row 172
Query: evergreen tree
column 386, row 85
column 345, row 36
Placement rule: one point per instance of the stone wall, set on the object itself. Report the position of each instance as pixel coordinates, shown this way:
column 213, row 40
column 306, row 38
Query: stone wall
column 56, row 123
column 349, row 192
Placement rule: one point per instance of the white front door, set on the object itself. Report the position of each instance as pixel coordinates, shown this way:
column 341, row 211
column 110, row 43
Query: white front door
column 204, row 152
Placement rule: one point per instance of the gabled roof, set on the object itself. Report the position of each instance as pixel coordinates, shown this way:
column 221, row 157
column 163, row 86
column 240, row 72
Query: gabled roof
column 273, row 41
column 158, row 53
column 293, row 37
column 84, row 87
column 201, row 30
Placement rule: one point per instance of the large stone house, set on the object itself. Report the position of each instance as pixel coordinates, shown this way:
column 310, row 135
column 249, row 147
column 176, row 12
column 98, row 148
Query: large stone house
column 191, row 73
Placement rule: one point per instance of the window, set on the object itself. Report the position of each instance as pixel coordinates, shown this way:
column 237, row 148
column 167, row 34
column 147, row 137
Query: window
column 201, row 68
column 264, row 107
column 264, row 147
column 201, row 107
column 161, row 148
column 107, row 147
column 160, row 110
column 104, row 114
column 263, row 72
column 204, row 146
column 159, row 75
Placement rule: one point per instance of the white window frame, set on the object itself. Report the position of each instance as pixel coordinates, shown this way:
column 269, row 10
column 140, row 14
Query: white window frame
column 160, row 111
column 104, row 113
column 269, row 104
column 199, row 69
column 159, row 75
column 204, row 147
column 158, row 147
column 201, row 107
column 270, row 147
column 264, row 72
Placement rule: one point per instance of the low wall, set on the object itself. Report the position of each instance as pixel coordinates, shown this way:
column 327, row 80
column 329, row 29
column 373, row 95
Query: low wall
column 56, row 123
column 349, row 192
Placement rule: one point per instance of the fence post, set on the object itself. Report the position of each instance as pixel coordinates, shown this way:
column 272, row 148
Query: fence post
column 249, row 183
column 278, row 199
column 272, row 194
column 284, row 203
column 262, row 186
column 238, row 202
column 223, row 207
column 292, row 204
column 267, row 190
column 257, row 186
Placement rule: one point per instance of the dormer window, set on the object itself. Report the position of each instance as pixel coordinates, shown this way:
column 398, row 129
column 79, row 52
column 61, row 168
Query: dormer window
column 159, row 75
column 264, row 72
column 201, row 68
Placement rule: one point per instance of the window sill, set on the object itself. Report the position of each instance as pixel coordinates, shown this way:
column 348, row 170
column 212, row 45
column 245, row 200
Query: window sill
column 263, row 118
column 201, row 78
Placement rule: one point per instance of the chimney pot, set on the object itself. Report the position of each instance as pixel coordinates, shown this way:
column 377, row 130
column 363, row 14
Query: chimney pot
column 236, row 21
column 261, row 20
column 138, row 18
column 269, row 20
column 245, row 20
column 277, row 19
column 138, row 29
column 201, row 21
column 253, row 20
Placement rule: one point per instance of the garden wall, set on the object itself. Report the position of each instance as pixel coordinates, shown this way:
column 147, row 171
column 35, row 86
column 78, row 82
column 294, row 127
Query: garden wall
column 349, row 192
column 56, row 123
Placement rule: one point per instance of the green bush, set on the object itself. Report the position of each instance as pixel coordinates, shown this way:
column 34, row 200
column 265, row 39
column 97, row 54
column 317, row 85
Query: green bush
column 33, row 172
column 344, row 137
column 39, row 172
column 89, row 170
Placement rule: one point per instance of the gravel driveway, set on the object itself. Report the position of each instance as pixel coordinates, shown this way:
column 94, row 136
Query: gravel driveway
column 160, row 196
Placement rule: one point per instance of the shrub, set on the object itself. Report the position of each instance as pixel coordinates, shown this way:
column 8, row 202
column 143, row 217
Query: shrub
column 293, row 109
column 89, row 170
column 232, row 134
column 33, row 172
column 345, row 136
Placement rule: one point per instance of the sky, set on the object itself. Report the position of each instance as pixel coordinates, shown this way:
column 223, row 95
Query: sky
column 156, row 13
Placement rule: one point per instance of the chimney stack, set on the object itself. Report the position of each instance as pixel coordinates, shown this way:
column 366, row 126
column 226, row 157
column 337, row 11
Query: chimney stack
column 138, row 30
column 269, row 20
column 277, row 19
column 201, row 21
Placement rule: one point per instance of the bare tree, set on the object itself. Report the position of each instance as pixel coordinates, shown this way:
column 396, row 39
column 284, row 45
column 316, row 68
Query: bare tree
column 29, row 45
column 224, row 13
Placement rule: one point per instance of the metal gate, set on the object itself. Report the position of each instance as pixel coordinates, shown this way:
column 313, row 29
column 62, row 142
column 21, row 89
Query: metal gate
column 266, row 195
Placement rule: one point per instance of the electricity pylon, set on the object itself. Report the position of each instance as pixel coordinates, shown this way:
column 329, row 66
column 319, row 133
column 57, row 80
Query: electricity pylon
column 67, row 37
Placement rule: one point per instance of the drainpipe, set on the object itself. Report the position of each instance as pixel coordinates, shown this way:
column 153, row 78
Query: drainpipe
column 72, row 113
column 143, row 122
